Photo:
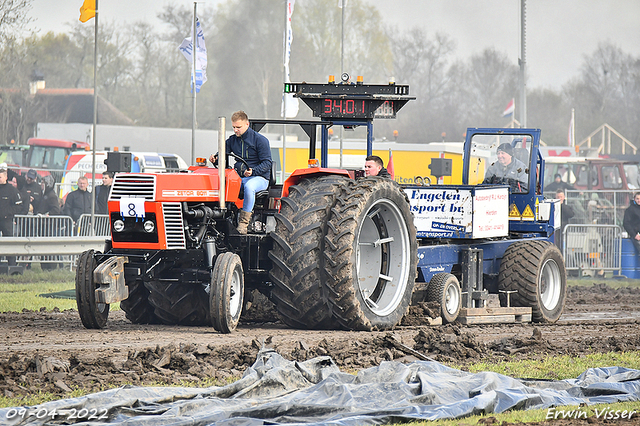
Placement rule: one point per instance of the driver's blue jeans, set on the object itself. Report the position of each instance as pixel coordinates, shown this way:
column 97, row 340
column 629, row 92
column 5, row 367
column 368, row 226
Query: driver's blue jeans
column 252, row 184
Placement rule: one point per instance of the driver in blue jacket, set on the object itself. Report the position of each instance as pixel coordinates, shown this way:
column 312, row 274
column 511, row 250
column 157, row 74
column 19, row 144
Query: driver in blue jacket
column 254, row 149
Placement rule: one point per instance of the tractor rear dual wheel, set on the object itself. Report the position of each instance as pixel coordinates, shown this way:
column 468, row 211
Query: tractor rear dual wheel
column 370, row 255
column 535, row 271
column 297, row 253
column 177, row 303
column 136, row 307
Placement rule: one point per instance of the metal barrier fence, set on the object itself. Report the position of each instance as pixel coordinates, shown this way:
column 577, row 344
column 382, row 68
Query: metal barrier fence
column 101, row 226
column 58, row 226
column 591, row 249
column 597, row 207
column 44, row 226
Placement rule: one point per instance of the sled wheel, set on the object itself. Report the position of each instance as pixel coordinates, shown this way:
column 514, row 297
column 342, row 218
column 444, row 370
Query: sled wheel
column 93, row 315
column 370, row 255
column 227, row 292
column 444, row 288
column 535, row 270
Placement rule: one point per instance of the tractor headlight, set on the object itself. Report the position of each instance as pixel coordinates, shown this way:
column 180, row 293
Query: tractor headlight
column 118, row 225
column 149, row 226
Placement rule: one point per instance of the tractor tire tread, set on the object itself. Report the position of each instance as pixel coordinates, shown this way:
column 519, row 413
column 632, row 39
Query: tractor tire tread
column 296, row 255
column 85, row 293
column 136, row 307
column 339, row 253
column 519, row 271
column 176, row 303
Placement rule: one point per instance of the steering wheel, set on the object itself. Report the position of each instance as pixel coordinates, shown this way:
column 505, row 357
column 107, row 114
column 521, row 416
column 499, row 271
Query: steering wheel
column 516, row 185
column 240, row 166
column 243, row 164
column 240, row 169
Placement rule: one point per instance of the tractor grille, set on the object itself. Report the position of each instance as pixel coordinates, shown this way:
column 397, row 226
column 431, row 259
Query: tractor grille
column 133, row 186
column 173, row 227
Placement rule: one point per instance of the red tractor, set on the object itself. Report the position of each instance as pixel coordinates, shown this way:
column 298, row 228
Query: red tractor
column 175, row 256
column 329, row 250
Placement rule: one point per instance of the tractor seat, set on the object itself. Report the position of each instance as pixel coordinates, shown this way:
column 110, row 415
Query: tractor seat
column 262, row 196
column 522, row 154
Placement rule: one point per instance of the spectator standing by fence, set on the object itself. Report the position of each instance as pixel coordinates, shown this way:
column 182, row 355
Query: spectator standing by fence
column 566, row 213
column 557, row 184
column 10, row 202
column 20, row 184
column 102, row 193
column 32, row 188
column 50, row 206
column 631, row 221
column 49, row 202
column 79, row 201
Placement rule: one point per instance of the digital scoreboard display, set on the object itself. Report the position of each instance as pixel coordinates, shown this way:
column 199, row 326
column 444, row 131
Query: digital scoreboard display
column 351, row 101
column 344, row 108
column 352, row 108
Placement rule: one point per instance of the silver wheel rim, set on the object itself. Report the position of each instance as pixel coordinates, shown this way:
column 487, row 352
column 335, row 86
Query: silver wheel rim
column 235, row 293
column 550, row 284
column 452, row 298
column 382, row 257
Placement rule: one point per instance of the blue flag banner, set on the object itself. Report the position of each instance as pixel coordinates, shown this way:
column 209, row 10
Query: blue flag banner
column 186, row 47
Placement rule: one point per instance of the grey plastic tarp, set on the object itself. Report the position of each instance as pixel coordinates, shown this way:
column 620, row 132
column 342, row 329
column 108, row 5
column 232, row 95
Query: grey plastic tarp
column 276, row 391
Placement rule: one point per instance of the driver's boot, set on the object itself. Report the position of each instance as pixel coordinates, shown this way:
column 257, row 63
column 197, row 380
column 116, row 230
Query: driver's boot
column 243, row 221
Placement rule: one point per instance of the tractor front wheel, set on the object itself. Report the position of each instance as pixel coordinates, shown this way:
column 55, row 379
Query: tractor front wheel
column 227, row 292
column 92, row 314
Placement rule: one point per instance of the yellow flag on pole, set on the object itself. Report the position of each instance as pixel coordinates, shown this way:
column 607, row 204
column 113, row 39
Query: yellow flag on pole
column 88, row 10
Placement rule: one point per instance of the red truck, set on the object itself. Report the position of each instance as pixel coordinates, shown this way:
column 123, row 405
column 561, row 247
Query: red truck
column 48, row 156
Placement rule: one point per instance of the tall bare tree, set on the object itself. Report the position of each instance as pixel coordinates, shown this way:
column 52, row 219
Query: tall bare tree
column 607, row 91
column 548, row 111
column 423, row 64
column 13, row 17
column 246, row 57
column 316, row 50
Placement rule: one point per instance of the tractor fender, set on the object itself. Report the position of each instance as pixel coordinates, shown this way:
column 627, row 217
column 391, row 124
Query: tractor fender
column 300, row 174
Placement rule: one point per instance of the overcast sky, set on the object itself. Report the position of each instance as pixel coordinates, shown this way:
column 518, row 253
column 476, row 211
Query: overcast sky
column 559, row 32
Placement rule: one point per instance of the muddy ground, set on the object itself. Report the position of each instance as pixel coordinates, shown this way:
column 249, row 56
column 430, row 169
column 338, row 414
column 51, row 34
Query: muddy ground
column 51, row 350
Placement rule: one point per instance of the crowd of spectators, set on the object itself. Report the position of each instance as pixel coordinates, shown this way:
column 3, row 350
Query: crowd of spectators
column 33, row 194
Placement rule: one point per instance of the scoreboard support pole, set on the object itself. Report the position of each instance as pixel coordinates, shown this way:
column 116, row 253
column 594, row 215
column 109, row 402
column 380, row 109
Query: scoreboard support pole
column 324, row 138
